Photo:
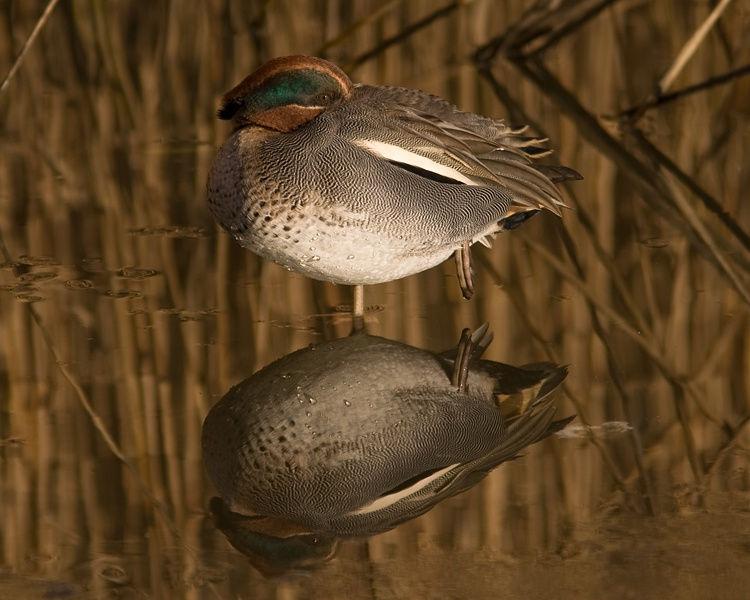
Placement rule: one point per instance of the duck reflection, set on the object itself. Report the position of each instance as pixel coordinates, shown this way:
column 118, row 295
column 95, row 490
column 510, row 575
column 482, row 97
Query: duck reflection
column 355, row 436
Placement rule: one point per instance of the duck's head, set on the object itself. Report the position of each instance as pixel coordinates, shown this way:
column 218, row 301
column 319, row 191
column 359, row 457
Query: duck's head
column 285, row 93
column 273, row 545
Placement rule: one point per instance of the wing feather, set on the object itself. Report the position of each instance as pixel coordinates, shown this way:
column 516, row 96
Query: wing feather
column 468, row 148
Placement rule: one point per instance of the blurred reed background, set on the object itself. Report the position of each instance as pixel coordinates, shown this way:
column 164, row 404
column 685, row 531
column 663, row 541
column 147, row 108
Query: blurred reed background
column 125, row 314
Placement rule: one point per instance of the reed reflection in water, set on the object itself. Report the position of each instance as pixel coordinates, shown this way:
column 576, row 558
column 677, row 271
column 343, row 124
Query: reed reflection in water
column 108, row 132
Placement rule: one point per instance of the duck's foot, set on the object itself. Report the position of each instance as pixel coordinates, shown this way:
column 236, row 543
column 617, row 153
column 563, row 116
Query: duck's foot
column 463, row 268
column 470, row 348
column 463, row 358
column 358, row 309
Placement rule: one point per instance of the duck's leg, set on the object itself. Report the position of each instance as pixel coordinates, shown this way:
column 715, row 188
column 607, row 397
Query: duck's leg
column 463, row 358
column 463, row 268
column 358, row 312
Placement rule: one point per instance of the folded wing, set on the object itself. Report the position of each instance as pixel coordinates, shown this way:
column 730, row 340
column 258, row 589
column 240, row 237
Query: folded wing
column 430, row 136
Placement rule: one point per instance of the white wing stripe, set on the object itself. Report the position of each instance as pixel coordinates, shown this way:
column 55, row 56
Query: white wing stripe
column 399, row 154
column 390, row 499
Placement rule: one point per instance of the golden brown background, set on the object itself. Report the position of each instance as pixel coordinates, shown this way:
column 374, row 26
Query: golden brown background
column 124, row 313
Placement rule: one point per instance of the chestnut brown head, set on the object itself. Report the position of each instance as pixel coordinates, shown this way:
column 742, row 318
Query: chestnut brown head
column 286, row 93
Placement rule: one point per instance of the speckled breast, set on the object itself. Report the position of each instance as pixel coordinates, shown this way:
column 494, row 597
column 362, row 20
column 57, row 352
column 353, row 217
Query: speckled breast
column 275, row 196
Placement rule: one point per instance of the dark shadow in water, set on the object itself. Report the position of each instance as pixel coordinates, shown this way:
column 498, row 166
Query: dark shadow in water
column 352, row 437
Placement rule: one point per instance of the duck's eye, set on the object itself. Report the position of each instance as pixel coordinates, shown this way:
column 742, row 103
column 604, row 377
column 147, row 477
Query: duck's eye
column 322, row 98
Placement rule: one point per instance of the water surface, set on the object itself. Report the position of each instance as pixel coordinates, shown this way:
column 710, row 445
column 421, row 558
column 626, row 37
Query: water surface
column 126, row 314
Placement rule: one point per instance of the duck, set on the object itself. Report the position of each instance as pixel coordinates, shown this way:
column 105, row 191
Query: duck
column 355, row 436
column 360, row 184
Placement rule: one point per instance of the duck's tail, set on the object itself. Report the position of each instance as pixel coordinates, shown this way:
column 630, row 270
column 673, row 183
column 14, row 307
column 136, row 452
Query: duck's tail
column 524, row 208
column 526, row 401
column 525, row 398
